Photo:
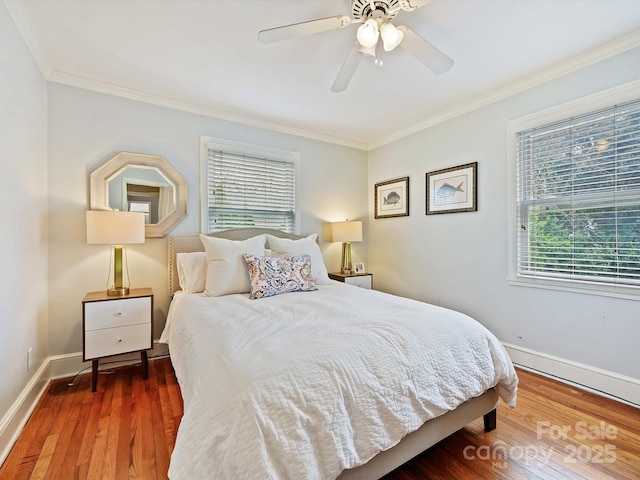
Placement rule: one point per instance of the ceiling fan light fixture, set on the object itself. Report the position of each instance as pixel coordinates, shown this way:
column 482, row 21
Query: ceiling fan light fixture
column 391, row 36
column 368, row 33
column 371, row 51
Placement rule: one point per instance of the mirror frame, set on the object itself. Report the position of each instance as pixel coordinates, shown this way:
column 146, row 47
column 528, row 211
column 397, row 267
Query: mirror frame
column 99, row 189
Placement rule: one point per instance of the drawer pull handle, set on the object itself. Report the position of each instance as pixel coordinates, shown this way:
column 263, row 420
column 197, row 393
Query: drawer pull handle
column 119, row 340
column 119, row 313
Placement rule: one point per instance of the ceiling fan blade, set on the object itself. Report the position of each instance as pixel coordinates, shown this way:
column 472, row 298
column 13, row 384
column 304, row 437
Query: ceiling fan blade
column 347, row 70
column 410, row 5
column 286, row 32
column 413, row 4
column 424, row 51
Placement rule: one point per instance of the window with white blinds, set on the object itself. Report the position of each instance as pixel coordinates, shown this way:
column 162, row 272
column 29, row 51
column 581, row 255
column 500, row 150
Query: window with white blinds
column 249, row 190
column 578, row 198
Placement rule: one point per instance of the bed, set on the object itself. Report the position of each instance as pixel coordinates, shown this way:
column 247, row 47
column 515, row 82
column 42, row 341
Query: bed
column 332, row 382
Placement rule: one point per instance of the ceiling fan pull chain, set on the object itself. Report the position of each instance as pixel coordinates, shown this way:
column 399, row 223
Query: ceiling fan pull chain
column 379, row 51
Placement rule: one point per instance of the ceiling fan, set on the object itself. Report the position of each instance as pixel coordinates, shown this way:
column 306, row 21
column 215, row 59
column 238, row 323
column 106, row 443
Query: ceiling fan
column 375, row 34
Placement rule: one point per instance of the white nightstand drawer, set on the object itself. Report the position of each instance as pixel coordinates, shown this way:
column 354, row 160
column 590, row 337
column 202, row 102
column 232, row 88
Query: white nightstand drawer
column 117, row 313
column 363, row 281
column 112, row 341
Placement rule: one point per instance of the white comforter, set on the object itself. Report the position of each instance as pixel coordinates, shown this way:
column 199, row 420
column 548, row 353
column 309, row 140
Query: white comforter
column 304, row 385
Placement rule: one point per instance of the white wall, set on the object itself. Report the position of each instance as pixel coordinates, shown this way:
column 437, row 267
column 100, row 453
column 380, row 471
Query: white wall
column 460, row 260
column 23, row 216
column 87, row 128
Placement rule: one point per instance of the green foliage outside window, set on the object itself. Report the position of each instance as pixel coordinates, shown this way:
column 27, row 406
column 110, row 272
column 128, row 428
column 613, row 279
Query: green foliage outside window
column 579, row 197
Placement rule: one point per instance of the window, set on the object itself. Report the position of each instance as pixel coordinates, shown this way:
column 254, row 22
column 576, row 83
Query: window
column 248, row 187
column 577, row 195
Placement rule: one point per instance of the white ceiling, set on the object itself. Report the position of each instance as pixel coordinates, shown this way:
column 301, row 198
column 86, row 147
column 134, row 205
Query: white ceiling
column 205, row 56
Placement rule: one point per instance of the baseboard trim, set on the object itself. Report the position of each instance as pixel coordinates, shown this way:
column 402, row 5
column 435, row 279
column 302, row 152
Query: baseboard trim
column 16, row 418
column 71, row 364
column 602, row 382
column 53, row 368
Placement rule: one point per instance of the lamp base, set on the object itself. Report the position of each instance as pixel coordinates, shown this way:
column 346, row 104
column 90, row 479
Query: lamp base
column 345, row 267
column 118, row 292
column 118, row 289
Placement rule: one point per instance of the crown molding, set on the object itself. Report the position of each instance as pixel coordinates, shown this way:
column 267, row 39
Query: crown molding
column 591, row 57
column 20, row 16
column 146, row 97
column 18, row 12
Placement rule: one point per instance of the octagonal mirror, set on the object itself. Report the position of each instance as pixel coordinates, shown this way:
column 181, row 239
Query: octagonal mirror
column 136, row 182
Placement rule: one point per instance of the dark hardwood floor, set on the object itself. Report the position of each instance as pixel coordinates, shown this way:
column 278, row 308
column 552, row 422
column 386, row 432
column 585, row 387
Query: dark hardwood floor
column 127, row 430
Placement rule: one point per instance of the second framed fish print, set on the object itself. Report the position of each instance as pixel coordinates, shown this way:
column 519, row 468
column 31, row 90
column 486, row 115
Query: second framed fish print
column 391, row 198
column 453, row 189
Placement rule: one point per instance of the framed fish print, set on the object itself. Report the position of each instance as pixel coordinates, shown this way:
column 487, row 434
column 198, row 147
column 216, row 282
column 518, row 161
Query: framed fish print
column 391, row 198
column 453, row 189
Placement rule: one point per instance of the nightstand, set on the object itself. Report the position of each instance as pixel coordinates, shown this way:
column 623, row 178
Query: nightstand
column 364, row 280
column 115, row 325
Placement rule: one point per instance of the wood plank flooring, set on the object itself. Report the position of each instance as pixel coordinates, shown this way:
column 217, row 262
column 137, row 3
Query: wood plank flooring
column 127, row 430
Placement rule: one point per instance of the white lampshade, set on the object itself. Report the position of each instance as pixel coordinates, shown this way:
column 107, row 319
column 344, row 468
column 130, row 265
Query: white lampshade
column 368, row 33
column 391, row 36
column 349, row 231
column 115, row 228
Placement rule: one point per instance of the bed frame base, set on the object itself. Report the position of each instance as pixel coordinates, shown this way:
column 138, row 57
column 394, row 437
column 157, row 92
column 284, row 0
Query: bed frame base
column 428, row 435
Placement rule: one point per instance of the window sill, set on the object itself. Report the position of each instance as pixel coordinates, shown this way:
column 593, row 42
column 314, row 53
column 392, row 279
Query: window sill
column 627, row 292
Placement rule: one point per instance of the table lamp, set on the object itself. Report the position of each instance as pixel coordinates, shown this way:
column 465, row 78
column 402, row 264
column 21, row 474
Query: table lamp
column 116, row 229
column 346, row 232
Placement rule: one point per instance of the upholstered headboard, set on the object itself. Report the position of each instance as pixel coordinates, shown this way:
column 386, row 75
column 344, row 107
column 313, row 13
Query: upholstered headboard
column 192, row 243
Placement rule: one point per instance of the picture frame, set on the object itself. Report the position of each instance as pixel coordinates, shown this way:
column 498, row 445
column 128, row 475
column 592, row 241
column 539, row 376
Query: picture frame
column 452, row 190
column 391, row 198
column 358, row 267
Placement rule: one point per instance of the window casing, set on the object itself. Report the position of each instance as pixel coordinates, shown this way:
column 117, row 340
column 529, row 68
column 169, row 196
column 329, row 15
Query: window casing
column 576, row 224
column 247, row 186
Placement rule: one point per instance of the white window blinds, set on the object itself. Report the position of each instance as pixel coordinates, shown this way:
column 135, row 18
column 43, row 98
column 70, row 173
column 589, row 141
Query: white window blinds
column 578, row 198
column 248, row 191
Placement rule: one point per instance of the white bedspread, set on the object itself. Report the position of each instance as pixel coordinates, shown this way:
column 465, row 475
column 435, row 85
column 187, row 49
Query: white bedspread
column 304, row 385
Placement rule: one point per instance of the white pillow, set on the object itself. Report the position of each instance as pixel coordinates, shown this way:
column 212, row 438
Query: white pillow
column 192, row 271
column 282, row 247
column 226, row 268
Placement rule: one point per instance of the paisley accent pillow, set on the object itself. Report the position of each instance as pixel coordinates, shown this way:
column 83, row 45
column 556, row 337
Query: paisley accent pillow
column 271, row 276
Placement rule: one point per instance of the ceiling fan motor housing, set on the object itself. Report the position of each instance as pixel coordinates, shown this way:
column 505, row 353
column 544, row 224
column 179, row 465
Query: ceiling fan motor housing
column 361, row 9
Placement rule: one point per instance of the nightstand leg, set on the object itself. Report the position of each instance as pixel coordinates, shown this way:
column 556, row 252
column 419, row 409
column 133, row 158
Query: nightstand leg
column 94, row 375
column 145, row 364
